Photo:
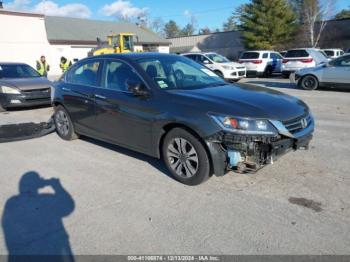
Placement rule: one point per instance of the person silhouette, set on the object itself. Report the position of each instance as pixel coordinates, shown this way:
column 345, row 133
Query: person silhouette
column 32, row 221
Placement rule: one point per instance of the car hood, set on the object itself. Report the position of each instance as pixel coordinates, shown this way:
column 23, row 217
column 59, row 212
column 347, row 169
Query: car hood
column 243, row 101
column 26, row 83
column 234, row 64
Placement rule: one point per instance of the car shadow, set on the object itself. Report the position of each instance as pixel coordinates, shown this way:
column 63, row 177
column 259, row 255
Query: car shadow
column 12, row 109
column 156, row 163
column 32, row 221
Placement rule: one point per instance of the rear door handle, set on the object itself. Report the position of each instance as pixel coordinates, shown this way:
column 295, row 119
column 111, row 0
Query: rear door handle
column 101, row 97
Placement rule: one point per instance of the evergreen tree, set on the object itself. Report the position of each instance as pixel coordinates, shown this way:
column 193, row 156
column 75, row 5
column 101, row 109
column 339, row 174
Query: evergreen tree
column 204, row 31
column 187, row 30
column 345, row 13
column 267, row 24
column 171, row 29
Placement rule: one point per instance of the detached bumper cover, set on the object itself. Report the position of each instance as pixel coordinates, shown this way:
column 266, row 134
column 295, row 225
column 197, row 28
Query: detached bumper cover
column 16, row 132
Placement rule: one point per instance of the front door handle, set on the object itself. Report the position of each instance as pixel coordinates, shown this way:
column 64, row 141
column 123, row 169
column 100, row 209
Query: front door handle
column 101, row 97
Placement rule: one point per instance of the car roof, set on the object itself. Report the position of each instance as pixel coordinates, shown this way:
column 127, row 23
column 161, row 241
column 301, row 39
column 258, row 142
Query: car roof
column 332, row 49
column 255, row 51
column 134, row 56
column 11, row 63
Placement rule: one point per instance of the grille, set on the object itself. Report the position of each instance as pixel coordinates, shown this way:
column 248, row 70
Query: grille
column 43, row 90
column 295, row 125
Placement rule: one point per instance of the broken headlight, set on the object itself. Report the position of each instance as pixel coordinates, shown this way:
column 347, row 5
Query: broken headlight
column 244, row 125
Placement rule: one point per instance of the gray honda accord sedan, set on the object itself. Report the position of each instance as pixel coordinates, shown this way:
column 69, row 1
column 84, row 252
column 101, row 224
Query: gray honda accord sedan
column 170, row 107
column 21, row 86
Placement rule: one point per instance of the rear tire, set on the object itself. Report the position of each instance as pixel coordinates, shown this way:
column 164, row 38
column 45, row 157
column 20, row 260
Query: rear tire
column 185, row 157
column 308, row 82
column 64, row 125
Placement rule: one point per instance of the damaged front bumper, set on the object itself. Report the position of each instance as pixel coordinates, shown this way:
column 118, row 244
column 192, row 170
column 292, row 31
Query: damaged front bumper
column 249, row 153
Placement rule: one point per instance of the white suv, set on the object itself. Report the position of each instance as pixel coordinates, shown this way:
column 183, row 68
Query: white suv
column 297, row 59
column 261, row 63
column 220, row 65
column 333, row 53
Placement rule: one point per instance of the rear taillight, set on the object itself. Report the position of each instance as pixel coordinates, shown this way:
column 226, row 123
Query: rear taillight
column 240, row 61
column 257, row 61
column 308, row 60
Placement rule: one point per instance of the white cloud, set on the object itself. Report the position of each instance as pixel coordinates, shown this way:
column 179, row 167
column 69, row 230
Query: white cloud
column 123, row 9
column 17, row 5
column 187, row 13
column 50, row 8
column 71, row 10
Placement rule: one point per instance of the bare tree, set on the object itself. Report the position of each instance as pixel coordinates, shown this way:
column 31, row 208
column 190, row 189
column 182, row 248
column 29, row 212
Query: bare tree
column 157, row 25
column 315, row 16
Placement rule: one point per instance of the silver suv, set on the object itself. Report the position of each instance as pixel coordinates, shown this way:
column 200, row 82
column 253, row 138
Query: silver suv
column 335, row 73
column 297, row 59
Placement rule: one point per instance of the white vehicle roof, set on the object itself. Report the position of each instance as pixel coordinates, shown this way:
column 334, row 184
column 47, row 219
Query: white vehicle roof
column 332, row 49
column 256, row 51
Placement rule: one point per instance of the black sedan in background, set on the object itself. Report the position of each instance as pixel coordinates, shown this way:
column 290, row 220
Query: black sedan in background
column 21, row 86
column 173, row 108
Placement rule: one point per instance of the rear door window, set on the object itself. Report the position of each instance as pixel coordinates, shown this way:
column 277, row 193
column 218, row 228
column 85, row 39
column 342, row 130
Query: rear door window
column 250, row 55
column 297, row 53
column 265, row 55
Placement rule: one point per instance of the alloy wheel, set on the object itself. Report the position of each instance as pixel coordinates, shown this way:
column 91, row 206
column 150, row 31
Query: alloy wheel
column 62, row 122
column 309, row 82
column 183, row 157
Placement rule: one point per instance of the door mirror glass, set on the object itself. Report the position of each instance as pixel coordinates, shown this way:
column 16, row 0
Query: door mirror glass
column 206, row 62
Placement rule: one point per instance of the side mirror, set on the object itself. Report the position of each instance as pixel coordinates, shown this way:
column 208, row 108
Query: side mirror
column 137, row 88
column 206, row 62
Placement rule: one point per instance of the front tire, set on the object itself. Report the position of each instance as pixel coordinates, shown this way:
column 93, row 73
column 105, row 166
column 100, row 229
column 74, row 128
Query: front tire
column 308, row 82
column 64, row 125
column 219, row 73
column 2, row 109
column 185, row 157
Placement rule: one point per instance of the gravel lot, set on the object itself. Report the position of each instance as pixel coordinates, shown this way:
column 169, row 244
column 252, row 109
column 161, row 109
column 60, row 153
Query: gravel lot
column 126, row 204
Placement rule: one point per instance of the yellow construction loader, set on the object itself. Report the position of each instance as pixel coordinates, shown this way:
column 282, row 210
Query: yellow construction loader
column 116, row 43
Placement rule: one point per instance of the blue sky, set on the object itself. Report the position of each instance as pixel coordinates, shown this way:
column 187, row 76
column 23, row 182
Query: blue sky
column 207, row 12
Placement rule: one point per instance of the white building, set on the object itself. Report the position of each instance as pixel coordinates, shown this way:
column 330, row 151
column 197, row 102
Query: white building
column 25, row 37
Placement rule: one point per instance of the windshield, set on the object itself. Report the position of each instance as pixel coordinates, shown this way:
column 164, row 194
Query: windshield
column 177, row 72
column 17, row 71
column 218, row 58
